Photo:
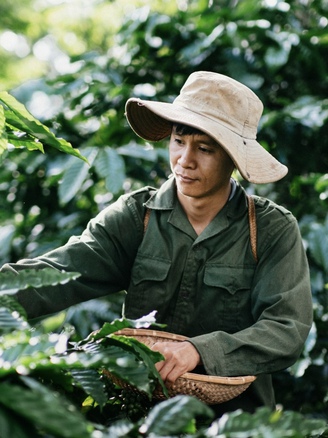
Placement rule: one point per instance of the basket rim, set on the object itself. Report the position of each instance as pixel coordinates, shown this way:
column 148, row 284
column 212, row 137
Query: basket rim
column 235, row 380
column 152, row 333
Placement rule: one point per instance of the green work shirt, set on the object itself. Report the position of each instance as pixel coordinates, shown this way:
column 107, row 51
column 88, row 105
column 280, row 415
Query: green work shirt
column 244, row 317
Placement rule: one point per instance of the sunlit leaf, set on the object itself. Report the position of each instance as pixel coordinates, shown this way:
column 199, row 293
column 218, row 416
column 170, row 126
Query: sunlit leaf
column 137, row 151
column 32, row 126
column 309, row 111
column 110, row 165
column 24, row 141
column 273, row 424
column 6, row 235
column 173, row 416
column 23, row 352
column 74, row 176
column 10, row 320
column 3, row 135
column 275, row 57
column 119, row 324
column 122, row 428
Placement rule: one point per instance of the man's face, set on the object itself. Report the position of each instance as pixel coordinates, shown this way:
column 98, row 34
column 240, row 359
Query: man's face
column 200, row 165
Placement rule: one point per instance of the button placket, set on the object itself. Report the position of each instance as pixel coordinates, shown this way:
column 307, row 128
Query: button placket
column 186, row 299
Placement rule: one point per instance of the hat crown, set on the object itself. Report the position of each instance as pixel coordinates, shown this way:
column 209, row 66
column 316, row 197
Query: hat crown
column 223, row 100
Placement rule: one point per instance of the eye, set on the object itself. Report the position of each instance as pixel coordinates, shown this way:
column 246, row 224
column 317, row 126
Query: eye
column 177, row 140
column 205, row 150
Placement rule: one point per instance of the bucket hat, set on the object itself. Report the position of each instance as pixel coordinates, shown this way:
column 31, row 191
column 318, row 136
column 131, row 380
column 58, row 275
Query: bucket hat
column 222, row 108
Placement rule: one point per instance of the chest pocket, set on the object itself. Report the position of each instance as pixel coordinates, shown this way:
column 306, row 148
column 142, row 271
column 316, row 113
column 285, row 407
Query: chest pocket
column 148, row 287
column 149, row 269
column 225, row 300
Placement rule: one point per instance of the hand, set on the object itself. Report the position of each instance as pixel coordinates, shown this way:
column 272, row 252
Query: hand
column 180, row 357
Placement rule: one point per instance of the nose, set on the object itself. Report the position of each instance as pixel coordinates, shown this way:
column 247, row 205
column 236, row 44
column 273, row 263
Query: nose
column 186, row 158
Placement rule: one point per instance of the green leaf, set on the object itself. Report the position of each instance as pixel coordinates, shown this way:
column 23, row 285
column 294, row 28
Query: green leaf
column 318, row 244
column 136, row 150
column 44, row 408
column 10, row 320
column 174, row 416
column 125, row 365
column 3, row 135
column 27, row 142
column 11, row 283
column 13, row 305
column 74, row 176
column 201, row 46
column 12, row 426
column 7, row 233
column 276, row 57
column 119, row 358
column 110, row 165
column 265, row 423
column 25, row 122
column 122, row 429
column 120, row 324
column 148, row 357
column 22, row 351
column 309, row 111
column 89, row 380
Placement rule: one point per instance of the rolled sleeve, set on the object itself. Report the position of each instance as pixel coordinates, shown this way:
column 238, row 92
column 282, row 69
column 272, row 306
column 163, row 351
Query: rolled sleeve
column 103, row 254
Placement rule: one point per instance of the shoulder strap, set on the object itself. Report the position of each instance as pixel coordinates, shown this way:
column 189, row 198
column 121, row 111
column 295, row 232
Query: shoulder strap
column 251, row 220
column 252, row 226
column 146, row 219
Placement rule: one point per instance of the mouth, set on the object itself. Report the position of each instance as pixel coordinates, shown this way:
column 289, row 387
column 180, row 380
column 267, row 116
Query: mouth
column 185, row 178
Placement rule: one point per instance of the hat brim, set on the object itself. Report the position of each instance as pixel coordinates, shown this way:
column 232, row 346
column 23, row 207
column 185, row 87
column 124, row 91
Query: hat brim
column 153, row 120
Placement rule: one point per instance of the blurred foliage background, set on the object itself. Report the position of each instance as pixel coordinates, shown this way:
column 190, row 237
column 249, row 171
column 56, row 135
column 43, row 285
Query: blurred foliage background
column 74, row 63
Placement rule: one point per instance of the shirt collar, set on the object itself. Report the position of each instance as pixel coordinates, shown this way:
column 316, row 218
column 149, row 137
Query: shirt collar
column 165, row 197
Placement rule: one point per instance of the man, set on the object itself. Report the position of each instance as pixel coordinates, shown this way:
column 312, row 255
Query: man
column 244, row 315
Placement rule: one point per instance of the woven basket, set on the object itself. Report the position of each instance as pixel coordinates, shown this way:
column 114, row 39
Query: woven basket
column 210, row 389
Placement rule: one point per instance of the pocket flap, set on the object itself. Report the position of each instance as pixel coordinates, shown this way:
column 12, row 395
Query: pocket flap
column 227, row 277
column 149, row 269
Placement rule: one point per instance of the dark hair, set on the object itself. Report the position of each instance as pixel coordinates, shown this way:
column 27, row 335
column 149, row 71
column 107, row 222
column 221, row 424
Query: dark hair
column 182, row 129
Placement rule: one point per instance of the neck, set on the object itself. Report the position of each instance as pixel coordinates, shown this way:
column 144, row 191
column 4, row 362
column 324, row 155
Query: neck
column 201, row 211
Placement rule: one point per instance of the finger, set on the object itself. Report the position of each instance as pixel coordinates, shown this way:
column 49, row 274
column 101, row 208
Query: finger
column 172, row 376
column 166, row 370
column 158, row 346
column 159, row 365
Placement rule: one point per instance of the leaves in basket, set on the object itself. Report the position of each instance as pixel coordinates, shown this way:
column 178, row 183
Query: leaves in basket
column 89, row 380
column 148, row 356
column 125, row 357
column 120, row 324
column 114, row 356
